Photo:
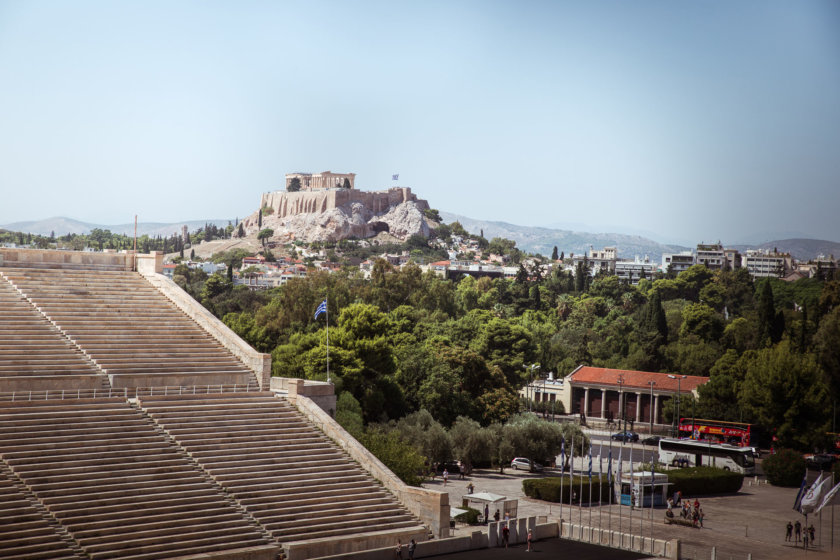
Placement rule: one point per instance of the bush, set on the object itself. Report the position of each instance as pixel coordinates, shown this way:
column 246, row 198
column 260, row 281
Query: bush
column 470, row 516
column 702, row 481
column 556, row 488
column 784, row 468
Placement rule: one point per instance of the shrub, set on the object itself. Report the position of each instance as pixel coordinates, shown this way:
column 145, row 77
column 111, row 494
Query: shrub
column 784, row 468
column 556, row 488
column 470, row 516
column 702, row 481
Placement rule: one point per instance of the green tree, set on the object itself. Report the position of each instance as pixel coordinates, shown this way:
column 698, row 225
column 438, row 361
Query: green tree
column 294, row 185
column 554, row 255
column 265, row 234
column 346, row 184
column 785, row 391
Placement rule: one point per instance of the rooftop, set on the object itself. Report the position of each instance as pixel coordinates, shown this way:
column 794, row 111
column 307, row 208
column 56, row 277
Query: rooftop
column 635, row 379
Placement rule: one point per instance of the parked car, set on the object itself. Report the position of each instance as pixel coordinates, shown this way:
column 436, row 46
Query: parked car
column 522, row 463
column 651, row 440
column 820, row 461
column 625, row 436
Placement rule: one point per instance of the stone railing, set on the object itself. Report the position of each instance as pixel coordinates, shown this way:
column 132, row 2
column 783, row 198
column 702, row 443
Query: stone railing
column 627, row 541
column 430, row 506
column 260, row 363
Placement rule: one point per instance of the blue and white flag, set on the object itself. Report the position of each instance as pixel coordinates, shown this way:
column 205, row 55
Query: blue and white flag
column 562, row 455
column 600, row 459
column 828, row 497
column 801, row 492
column 590, row 463
column 609, row 467
column 395, row 177
column 321, row 309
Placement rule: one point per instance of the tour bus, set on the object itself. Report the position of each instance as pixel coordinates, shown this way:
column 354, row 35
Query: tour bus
column 733, row 433
column 695, row 453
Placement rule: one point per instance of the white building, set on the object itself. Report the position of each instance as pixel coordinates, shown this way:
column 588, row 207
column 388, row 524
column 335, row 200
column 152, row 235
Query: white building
column 603, row 260
column 677, row 262
column 764, row 264
column 635, row 270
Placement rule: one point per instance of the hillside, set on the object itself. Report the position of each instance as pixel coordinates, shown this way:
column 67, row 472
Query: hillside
column 543, row 240
column 63, row 226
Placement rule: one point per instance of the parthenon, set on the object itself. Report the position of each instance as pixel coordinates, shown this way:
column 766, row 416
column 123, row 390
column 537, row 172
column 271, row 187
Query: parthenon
column 322, row 180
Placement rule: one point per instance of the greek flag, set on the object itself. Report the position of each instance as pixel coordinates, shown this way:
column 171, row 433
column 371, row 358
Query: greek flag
column 395, row 177
column 590, row 463
column 801, row 492
column 562, row 455
column 609, row 467
column 321, row 309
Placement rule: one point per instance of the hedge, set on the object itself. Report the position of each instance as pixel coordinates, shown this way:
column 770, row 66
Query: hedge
column 470, row 516
column 702, row 481
column 556, row 488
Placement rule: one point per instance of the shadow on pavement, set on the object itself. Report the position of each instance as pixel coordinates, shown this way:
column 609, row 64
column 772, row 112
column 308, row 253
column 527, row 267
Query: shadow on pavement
column 550, row 548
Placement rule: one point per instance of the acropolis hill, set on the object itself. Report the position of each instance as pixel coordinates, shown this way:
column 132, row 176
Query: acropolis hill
column 328, row 207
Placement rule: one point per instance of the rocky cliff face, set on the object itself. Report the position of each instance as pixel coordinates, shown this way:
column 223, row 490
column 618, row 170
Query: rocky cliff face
column 333, row 222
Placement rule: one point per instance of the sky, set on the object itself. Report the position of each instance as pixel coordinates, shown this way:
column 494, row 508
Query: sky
column 691, row 121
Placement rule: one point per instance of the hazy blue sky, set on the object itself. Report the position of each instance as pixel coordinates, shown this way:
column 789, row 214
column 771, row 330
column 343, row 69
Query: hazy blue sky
column 695, row 120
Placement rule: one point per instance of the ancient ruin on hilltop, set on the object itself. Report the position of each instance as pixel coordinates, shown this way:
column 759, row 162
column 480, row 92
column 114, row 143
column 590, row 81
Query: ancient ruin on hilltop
column 328, row 207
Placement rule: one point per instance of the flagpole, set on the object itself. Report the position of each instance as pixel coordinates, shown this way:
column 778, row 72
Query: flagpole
column 600, row 487
column 571, row 480
column 590, row 487
column 327, row 299
column 562, row 466
column 580, row 494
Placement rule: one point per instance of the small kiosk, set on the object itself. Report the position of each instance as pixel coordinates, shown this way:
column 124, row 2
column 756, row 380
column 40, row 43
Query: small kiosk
column 638, row 489
column 493, row 502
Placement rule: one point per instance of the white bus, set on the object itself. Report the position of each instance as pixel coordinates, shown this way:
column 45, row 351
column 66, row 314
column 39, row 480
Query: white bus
column 693, row 453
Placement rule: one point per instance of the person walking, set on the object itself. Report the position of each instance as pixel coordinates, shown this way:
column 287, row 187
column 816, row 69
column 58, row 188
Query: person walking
column 505, row 535
column 445, row 476
column 811, row 532
column 701, row 518
column 412, row 546
column 789, row 532
column 530, row 541
column 496, row 515
column 486, row 513
column 398, row 550
column 797, row 531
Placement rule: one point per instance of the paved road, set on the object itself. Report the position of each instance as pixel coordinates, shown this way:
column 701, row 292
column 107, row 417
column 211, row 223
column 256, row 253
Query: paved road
column 550, row 548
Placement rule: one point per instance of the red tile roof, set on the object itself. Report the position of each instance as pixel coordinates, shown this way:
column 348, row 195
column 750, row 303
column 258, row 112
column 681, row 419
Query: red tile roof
column 588, row 375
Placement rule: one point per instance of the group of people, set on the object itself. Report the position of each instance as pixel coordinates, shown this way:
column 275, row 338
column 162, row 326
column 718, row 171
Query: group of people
column 412, row 546
column 796, row 532
column 692, row 512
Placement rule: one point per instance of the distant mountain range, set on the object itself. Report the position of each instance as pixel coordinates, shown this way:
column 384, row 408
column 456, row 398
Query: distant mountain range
column 63, row 226
column 543, row 240
column 532, row 239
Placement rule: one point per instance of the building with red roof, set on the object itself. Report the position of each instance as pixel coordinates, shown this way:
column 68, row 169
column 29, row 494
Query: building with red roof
column 604, row 392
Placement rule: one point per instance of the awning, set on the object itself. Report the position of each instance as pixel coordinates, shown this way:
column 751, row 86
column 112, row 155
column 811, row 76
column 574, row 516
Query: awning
column 455, row 512
column 484, row 497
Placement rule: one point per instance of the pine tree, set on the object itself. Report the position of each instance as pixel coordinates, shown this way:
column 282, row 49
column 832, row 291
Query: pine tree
column 346, row 183
column 554, row 254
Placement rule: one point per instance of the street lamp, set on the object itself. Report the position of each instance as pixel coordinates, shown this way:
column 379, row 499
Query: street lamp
column 621, row 406
column 530, row 388
column 651, row 383
column 679, row 379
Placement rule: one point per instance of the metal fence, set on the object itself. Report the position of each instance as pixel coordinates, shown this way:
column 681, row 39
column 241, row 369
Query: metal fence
column 126, row 393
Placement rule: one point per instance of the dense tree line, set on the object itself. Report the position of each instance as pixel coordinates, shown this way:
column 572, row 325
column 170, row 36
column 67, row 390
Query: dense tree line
column 405, row 341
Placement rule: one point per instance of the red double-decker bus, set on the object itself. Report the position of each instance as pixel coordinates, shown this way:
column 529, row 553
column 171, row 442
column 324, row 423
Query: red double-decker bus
column 716, row 431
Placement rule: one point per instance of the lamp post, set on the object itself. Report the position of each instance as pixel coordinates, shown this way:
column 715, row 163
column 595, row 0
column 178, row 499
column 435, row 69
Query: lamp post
column 679, row 379
column 651, row 383
column 530, row 388
column 621, row 418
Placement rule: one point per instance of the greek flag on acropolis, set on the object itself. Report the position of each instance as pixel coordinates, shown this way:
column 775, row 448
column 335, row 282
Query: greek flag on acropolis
column 321, row 309
column 395, row 177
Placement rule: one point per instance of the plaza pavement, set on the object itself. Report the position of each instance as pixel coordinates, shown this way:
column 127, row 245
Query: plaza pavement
column 749, row 522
